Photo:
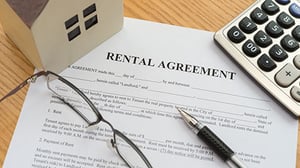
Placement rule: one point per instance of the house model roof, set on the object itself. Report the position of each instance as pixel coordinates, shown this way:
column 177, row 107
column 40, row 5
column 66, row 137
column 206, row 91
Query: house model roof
column 28, row 10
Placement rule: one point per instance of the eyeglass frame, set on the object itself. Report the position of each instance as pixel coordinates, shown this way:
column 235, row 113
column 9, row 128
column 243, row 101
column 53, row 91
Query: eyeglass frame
column 100, row 118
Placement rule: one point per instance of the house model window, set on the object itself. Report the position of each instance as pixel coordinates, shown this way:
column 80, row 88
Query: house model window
column 54, row 34
column 74, row 32
column 88, row 12
column 91, row 18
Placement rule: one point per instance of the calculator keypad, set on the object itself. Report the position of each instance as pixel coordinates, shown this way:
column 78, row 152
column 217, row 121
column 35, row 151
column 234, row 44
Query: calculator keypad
column 270, row 7
column 274, row 29
column 295, row 10
column 295, row 93
column 266, row 63
column 289, row 43
column 262, row 39
column 235, row 35
column 285, row 20
column 283, row 2
column 277, row 53
column 247, row 25
column 296, row 33
column 268, row 36
column 287, row 75
column 251, row 49
column 259, row 16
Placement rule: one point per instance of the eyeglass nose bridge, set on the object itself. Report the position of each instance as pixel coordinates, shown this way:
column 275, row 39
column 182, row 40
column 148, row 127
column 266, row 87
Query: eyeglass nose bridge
column 111, row 144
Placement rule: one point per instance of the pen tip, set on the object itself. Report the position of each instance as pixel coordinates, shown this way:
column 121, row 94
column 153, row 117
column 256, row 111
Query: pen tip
column 178, row 108
column 180, row 111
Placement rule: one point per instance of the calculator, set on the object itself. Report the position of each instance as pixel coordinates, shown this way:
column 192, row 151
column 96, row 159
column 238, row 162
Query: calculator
column 264, row 41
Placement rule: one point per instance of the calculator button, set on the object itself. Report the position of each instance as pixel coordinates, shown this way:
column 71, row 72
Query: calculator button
column 235, row 35
column 283, row 2
column 285, row 20
column 287, row 75
column 247, row 25
column 266, row 63
column 296, row 33
column 277, row 53
column 259, row 16
column 297, row 61
column 273, row 29
column 295, row 92
column 270, row 7
column 262, row 39
column 251, row 49
column 295, row 10
column 289, row 43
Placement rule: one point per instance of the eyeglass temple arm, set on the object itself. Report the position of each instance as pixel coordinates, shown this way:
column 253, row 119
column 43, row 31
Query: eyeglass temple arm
column 31, row 79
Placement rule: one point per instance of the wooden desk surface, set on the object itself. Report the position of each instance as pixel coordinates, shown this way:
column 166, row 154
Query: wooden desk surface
column 200, row 14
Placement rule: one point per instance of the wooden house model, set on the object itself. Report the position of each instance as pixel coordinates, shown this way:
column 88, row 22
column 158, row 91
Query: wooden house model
column 53, row 34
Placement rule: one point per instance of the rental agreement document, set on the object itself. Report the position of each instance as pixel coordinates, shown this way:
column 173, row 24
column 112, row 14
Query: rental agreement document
column 136, row 79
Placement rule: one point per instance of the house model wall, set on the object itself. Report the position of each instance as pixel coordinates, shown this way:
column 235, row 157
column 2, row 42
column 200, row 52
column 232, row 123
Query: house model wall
column 53, row 34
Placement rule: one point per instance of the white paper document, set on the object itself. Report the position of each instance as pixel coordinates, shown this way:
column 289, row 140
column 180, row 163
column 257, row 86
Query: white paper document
column 136, row 79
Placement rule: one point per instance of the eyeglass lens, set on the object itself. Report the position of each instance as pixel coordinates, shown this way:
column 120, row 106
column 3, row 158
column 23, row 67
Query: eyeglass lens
column 72, row 98
column 129, row 153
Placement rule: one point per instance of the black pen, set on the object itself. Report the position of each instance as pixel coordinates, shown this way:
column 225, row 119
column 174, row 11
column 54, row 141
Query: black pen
column 212, row 140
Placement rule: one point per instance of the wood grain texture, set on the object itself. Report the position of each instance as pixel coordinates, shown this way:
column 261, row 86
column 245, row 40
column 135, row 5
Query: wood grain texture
column 208, row 15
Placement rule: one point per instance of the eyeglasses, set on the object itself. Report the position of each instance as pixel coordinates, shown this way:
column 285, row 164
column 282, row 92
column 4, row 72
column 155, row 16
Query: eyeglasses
column 71, row 96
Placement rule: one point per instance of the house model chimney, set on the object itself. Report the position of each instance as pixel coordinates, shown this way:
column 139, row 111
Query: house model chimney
column 54, row 34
